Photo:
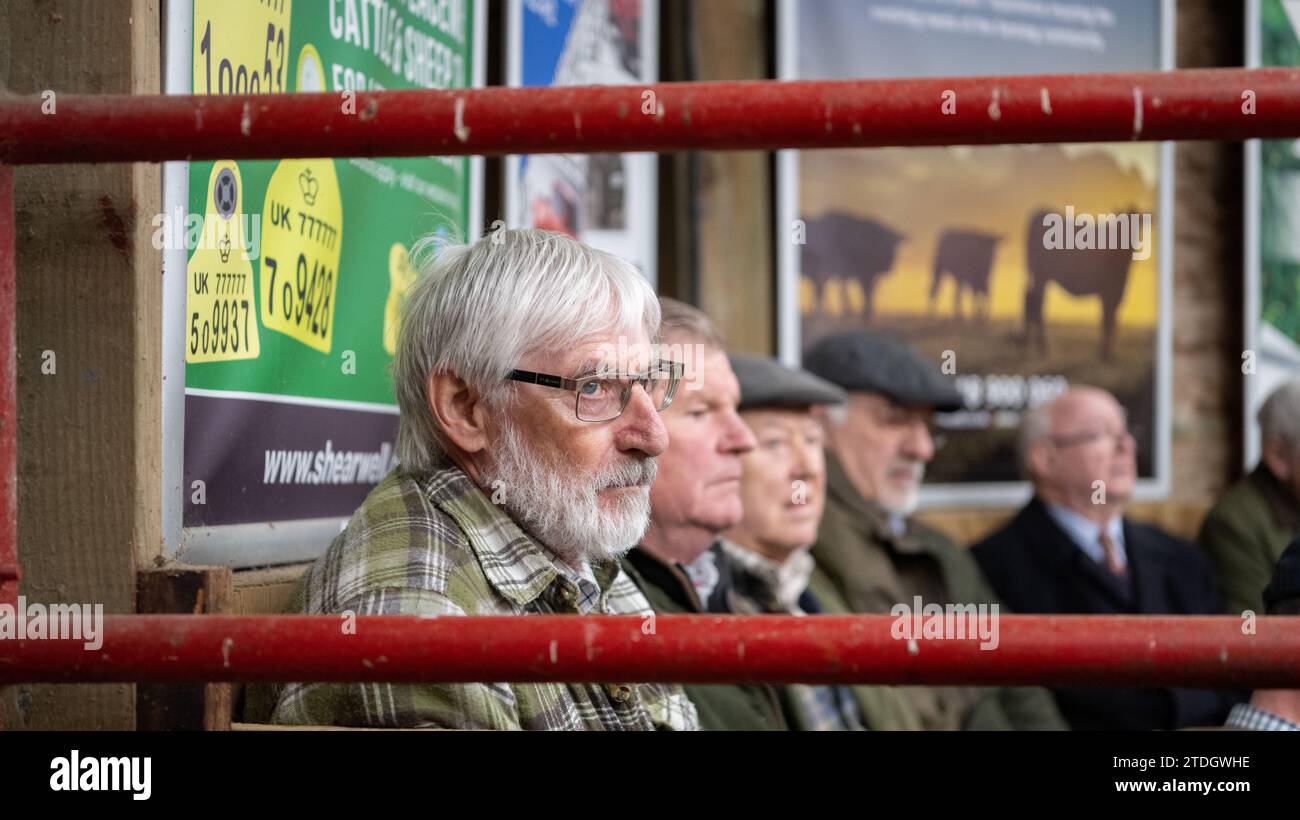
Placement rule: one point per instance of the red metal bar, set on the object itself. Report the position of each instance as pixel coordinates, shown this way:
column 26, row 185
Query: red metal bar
column 1218, row 104
column 1059, row 650
column 8, row 397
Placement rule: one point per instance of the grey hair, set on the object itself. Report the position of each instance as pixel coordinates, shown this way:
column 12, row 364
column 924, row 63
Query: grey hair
column 1279, row 415
column 1035, row 425
column 476, row 310
column 683, row 322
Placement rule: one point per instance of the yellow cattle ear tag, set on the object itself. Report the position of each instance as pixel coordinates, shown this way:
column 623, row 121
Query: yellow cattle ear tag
column 220, row 324
column 298, row 277
column 400, row 278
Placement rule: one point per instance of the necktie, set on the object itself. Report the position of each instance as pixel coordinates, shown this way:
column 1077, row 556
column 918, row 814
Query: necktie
column 1113, row 562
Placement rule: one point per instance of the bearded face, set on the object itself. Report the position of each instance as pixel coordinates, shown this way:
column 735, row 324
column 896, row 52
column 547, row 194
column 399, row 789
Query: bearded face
column 582, row 514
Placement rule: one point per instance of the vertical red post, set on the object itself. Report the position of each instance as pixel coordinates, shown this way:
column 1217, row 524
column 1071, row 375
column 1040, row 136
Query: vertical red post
column 8, row 396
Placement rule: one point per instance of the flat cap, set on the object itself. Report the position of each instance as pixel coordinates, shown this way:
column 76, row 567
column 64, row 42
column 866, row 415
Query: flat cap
column 1285, row 585
column 765, row 382
column 870, row 361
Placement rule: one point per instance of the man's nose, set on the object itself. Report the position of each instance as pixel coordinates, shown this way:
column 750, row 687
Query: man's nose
column 642, row 428
column 803, row 461
column 736, row 436
column 918, row 443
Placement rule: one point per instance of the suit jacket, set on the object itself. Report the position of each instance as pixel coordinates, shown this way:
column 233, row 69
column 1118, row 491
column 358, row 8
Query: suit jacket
column 1035, row 567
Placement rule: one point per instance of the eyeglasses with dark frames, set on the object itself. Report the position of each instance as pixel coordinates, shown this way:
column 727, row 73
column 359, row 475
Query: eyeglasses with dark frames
column 603, row 396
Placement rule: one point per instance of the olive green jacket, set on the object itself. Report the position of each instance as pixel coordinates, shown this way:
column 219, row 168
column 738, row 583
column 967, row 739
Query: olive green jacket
column 864, row 567
column 1245, row 534
column 721, row 707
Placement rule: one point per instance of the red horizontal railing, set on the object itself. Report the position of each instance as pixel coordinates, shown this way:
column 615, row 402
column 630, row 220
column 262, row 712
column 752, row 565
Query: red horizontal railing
column 1031, row 649
column 1206, row 104
column 1214, row 104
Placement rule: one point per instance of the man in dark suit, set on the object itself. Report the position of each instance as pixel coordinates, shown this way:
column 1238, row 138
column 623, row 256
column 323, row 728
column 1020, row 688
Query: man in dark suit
column 1070, row 550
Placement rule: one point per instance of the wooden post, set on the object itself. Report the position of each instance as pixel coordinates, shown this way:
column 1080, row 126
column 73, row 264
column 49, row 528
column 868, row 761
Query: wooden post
column 191, row 706
column 89, row 364
column 737, row 270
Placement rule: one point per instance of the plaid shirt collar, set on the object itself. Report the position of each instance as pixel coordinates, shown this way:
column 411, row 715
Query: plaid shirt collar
column 1246, row 716
column 515, row 564
column 812, row 708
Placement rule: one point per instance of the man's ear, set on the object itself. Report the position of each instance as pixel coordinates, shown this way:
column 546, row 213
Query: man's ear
column 1273, row 452
column 458, row 410
column 1039, row 460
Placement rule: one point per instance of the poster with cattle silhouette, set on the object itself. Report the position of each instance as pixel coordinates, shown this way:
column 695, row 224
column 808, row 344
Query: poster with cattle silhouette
column 1021, row 270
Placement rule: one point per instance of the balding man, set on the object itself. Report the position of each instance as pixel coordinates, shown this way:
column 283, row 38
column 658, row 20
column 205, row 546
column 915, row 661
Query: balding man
column 1070, row 550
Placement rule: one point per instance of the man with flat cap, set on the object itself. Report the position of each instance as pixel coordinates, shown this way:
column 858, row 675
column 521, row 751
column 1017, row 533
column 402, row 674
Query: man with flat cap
column 783, row 490
column 870, row 552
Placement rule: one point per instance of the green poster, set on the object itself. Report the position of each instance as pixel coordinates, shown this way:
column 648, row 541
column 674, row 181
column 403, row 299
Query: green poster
column 1279, row 208
column 294, row 283
column 1272, row 300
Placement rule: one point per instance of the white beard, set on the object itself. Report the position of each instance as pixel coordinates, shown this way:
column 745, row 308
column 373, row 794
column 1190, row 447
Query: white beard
column 906, row 505
column 563, row 511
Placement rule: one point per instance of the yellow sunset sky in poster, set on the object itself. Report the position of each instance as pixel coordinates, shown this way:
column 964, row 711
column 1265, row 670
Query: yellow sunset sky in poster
column 922, row 192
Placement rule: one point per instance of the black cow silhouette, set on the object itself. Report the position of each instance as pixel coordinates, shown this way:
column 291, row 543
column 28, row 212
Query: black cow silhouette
column 1101, row 272
column 967, row 257
column 845, row 247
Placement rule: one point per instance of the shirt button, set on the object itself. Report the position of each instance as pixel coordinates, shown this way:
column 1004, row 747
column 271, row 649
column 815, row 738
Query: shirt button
column 619, row 692
column 566, row 595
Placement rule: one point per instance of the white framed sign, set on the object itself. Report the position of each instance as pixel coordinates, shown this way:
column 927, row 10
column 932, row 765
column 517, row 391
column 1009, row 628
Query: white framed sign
column 942, row 246
column 609, row 201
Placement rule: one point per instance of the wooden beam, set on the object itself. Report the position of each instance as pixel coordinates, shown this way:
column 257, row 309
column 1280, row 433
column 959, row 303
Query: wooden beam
column 184, row 706
column 89, row 358
column 737, row 273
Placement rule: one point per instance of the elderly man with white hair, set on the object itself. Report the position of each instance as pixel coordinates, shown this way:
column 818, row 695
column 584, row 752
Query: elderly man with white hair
column 1070, row 550
column 530, row 398
column 1246, row 532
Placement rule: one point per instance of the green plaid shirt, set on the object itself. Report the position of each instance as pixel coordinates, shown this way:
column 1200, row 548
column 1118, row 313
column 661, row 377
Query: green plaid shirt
column 434, row 544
